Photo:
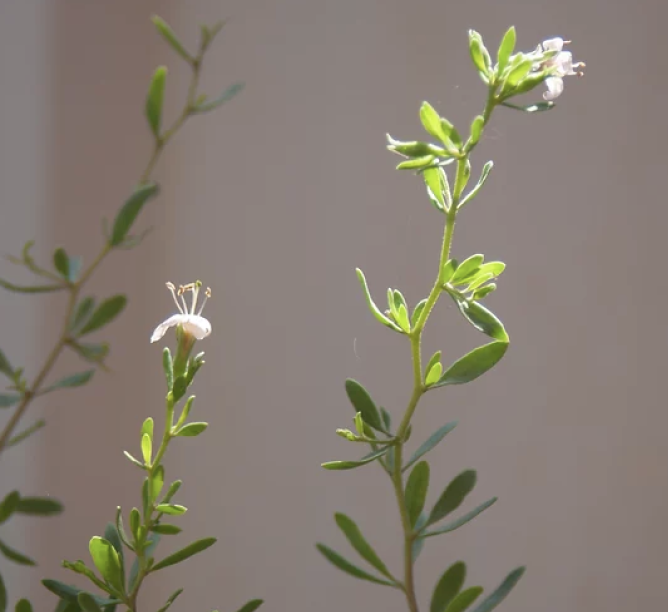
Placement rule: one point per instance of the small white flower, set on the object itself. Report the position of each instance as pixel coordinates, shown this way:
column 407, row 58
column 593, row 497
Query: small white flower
column 559, row 66
column 193, row 324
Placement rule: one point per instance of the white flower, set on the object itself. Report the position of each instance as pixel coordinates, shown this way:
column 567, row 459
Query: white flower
column 559, row 66
column 193, row 324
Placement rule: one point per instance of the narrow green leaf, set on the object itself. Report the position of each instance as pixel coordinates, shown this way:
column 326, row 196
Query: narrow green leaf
column 360, row 544
column 7, row 400
column 418, row 543
column 477, row 126
column 38, row 506
column 387, row 419
column 30, row 289
column 372, row 305
column 416, row 491
column 180, row 388
column 473, row 364
column 91, row 352
column 479, row 54
column 349, row 465
column 434, row 374
column 433, row 182
column 166, row 529
column 171, row 509
column 464, row 599
column 133, row 460
column 107, row 562
column 23, row 605
column 70, row 593
column 82, row 313
column 19, row 437
column 361, row 400
column 467, row 269
column 170, row 600
column 157, row 482
column 419, row 307
column 417, row 163
column 483, row 320
column 344, row 565
column 457, row 523
column 184, row 553
column 129, row 212
column 501, row 592
column 88, row 603
column 14, row 555
column 506, row 49
column 168, row 367
column 172, row 491
column 74, row 380
column 430, row 443
column 9, row 505
column 67, row 267
column 191, row 429
column 495, row 268
column 169, row 35
column 481, row 181
column 531, row 108
column 517, row 75
column 155, row 99
column 251, row 606
column 448, row 586
column 5, row 366
column 435, row 358
column 113, row 537
column 453, row 496
column 226, row 96
column 147, row 428
column 104, row 313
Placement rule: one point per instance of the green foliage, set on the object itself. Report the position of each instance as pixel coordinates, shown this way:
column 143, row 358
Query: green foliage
column 106, row 312
column 501, row 591
column 344, row 565
column 448, row 587
column 251, row 606
column 361, row 400
column 206, row 106
column 184, row 553
column 473, row 364
column 130, row 211
column 456, row 524
column 416, row 491
column 349, row 465
column 359, row 543
column 430, row 443
column 453, row 496
column 155, row 100
column 168, row 34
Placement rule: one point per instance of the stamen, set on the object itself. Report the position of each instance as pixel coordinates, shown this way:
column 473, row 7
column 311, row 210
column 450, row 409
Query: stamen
column 182, row 290
column 171, row 288
column 195, row 290
column 207, row 295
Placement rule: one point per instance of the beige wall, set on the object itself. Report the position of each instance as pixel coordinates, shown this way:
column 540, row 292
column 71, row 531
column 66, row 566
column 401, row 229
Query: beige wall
column 273, row 202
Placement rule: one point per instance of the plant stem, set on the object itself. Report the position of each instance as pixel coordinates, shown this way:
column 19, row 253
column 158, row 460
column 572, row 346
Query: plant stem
column 75, row 288
column 419, row 389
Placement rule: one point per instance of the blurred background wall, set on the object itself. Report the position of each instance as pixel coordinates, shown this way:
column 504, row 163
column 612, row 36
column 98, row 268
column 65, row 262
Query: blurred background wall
column 273, row 201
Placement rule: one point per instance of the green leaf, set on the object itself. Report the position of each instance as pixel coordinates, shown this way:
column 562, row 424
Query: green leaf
column 387, row 419
column 457, row 523
column 23, row 605
column 372, row 306
column 431, row 121
column 3, row 595
column 5, row 366
column 517, row 75
column 419, row 307
column 170, row 600
column 453, row 496
column 433, row 374
column 88, row 603
column 38, row 506
column 344, row 565
column 112, row 536
column 147, row 428
column 430, row 443
column 479, row 54
column 448, row 586
column 129, row 212
column 477, row 126
column 91, row 352
column 418, row 163
column 435, row 358
column 501, row 592
column 153, row 541
column 30, row 289
column 482, row 319
column 14, row 555
column 416, row 491
column 82, row 313
column 107, row 561
column 464, row 599
column 481, row 181
column 104, row 314
column 251, row 606
column 432, row 180
column 226, row 96
column 361, row 400
column 168, row 367
column 7, row 400
column 171, row 509
column 70, row 593
column 67, row 267
column 157, row 481
column 359, row 543
column 166, row 529
column 154, row 100
column 506, row 49
column 19, row 437
column 74, row 380
column 418, row 543
column 191, row 429
column 169, row 35
column 9, row 505
column 133, row 460
column 184, row 553
column 349, row 465
column 467, row 269
column 180, row 388
column 473, row 364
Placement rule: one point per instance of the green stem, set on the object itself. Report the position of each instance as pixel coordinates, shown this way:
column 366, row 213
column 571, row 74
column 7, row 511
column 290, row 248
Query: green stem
column 419, row 389
column 75, row 288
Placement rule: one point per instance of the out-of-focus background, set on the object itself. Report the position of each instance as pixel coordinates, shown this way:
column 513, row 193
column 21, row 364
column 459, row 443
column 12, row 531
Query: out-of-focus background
column 273, row 201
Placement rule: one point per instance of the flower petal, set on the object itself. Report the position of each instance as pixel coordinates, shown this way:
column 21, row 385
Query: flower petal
column 197, row 325
column 165, row 325
column 553, row 44
column 555, row 86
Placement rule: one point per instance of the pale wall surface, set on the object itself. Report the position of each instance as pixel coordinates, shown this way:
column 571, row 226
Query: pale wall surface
column 273, row 202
